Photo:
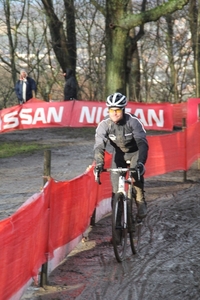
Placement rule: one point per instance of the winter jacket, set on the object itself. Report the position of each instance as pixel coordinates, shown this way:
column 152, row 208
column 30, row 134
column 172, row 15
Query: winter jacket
column 126, row 136
column 70, row 86
column 30, row 86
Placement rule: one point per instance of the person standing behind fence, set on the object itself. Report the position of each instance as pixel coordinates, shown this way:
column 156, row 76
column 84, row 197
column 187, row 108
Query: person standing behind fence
column 25, row 87
column 70, row 89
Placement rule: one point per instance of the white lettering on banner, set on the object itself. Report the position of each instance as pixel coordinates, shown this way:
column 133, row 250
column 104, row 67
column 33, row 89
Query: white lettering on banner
column 39, row 116
column 11, row 120
column 128, row 110
column 94, row 116
column 52, row 114
column 98, row 117
column 105, row 112
column 85, row 112
column 26, row 116
column 151, row 115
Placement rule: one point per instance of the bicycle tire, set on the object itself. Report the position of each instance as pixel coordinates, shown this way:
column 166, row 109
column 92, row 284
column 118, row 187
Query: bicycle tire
column 130, row 220
column 119, row 231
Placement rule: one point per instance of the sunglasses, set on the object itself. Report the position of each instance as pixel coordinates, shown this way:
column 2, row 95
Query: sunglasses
column 115, row 110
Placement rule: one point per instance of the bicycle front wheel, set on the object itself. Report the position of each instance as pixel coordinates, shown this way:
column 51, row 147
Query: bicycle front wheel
column 131, row 224
column 119, row 228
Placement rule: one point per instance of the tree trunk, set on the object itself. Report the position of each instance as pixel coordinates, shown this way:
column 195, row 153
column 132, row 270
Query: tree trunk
column 134, row 78
column 115, row 61
column 116, row 38
column 58, row 37
column 119, row 21
column 173, row 77
column 194, row 27
column 71, row 32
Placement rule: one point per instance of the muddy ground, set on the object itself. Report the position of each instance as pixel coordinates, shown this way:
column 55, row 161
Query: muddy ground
column 166, row 265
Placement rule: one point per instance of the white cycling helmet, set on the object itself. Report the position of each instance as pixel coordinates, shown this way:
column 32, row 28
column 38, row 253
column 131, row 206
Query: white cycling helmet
column 116, row 100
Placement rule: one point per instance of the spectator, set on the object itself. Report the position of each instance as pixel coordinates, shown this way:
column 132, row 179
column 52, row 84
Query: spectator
column 70, row 88
column 25, row 87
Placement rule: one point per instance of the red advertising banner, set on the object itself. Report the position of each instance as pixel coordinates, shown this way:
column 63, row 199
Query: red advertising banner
column 156, row 116
column 193, row 110
column 39, row 114
column 153, row 116
column 88, row 114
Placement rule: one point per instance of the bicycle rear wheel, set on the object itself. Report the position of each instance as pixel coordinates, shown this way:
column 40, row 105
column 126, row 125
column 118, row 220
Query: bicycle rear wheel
column 119, row 230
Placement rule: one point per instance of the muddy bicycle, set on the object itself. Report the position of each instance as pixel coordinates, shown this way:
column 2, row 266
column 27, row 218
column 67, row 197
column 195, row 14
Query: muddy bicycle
column 124, row 217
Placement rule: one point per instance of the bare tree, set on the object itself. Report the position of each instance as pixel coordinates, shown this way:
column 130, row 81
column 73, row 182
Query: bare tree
column 91, row 51
column 166, row 60
column 119, row 22
column 194, row 21
column 115, row 46
column 63, row 42
column 25, row 37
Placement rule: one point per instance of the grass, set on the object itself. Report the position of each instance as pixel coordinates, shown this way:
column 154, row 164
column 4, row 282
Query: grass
column 13, row 148
column 9, row 148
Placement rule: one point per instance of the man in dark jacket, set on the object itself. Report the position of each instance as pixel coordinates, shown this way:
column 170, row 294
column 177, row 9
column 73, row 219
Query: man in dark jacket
column 126, row 134
column 70, row 88
column 25, row 87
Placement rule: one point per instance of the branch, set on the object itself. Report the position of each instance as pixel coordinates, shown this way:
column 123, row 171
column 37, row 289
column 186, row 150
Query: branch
column 141, row 31
column 133, row 20
column 99, row 7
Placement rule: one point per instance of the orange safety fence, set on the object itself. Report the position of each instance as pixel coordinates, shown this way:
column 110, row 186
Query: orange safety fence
column 163, row 155
column 23, row 244
column 63, row 210
column 192, row 144
column 179, row 112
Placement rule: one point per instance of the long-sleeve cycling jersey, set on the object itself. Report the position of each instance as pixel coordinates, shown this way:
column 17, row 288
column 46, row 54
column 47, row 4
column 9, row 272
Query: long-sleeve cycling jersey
column 127, row 136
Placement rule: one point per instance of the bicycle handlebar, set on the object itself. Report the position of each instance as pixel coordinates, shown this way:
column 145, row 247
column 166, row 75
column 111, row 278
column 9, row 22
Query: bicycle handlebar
column 118, row 170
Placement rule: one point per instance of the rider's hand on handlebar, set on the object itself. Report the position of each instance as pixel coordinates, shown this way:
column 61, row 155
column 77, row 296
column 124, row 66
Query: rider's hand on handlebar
column 98, row 168
column 140, row 167
column 140, row 170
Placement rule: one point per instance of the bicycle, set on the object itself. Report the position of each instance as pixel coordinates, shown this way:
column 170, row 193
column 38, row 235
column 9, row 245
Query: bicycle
column 124, row 220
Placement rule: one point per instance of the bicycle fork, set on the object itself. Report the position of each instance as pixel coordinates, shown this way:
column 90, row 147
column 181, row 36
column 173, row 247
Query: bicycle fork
column 121, row 189
column 125, row 225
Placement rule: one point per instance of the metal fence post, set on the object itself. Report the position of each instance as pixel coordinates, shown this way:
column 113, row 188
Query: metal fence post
column 198, row 161
column 185, row 146
column 46, row 174
column 92, row 220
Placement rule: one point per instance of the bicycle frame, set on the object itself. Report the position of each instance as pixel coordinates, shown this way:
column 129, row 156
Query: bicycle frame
column 121, row 187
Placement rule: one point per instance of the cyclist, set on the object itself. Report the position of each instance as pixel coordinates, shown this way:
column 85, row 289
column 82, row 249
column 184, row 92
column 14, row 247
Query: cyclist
column 126, row 134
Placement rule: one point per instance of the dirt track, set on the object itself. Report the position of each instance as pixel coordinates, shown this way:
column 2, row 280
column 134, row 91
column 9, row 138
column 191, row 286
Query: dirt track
column 21, row 175
column 166, row 266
